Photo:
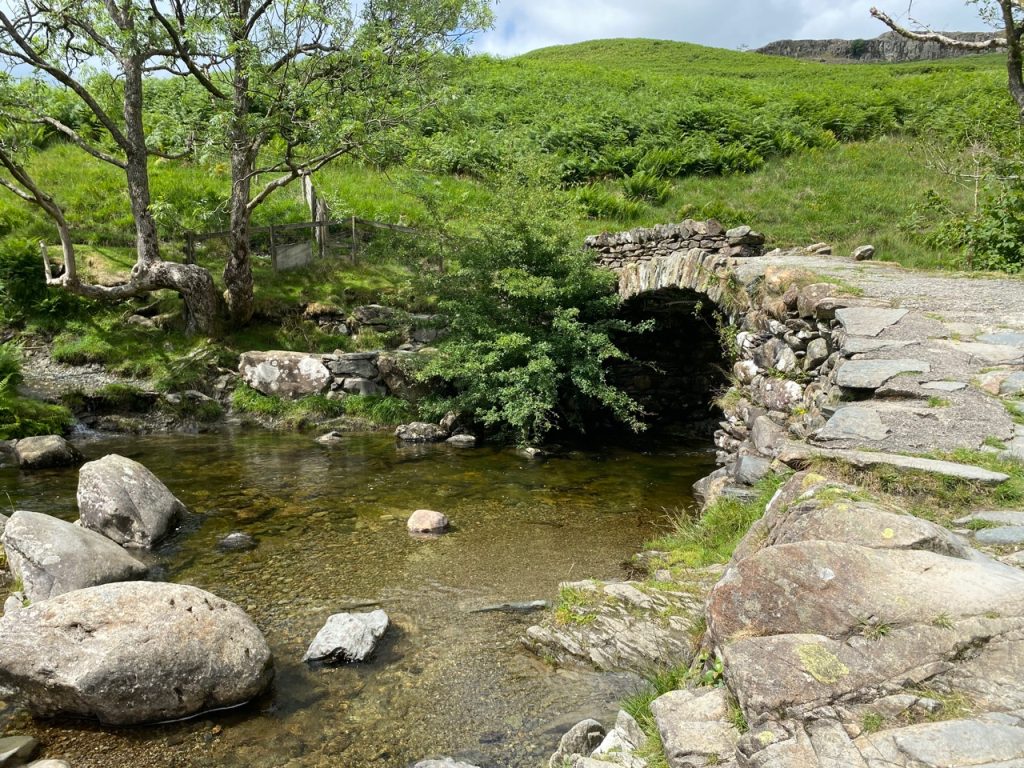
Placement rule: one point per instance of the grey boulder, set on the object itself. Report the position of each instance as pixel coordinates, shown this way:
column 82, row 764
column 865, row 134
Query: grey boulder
column 133, row 652
column 126, row 502
column 442, row 762
column 348, row 637
column 52, row 556
column 284, row 374
column 420, row 432
column 46, row 452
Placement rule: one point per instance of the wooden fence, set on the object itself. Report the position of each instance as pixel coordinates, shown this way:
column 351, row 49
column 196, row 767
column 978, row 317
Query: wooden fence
column 327, row 236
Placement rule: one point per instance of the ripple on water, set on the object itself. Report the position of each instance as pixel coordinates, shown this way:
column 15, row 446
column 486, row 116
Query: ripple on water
column 330, row 522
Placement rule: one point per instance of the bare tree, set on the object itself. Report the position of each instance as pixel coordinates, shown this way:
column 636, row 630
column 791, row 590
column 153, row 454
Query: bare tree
column 1005, row 14
column 303, row 82
column 61, row 42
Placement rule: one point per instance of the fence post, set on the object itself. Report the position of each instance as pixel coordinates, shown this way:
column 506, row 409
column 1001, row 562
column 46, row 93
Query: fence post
column 273, row 249
column 355, row 241
column 190, row 248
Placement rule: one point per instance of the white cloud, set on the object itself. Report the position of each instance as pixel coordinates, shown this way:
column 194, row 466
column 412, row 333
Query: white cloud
column 524, row 25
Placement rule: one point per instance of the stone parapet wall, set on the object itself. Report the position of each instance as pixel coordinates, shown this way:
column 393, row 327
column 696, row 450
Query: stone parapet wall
column 617, row 250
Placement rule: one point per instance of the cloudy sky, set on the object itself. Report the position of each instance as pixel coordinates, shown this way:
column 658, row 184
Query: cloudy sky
column 523, row 25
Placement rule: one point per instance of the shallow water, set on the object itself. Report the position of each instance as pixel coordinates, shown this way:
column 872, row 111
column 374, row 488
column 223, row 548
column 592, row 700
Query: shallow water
column 330, row 522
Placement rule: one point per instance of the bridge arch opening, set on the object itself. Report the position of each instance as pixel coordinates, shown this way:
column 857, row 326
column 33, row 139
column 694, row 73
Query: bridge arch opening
column 677, row 368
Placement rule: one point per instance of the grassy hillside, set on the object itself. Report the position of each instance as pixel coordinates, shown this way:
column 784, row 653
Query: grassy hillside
column 633, row 132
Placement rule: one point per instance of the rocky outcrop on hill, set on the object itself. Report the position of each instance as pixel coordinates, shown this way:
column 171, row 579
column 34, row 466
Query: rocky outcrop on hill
column 888, row 47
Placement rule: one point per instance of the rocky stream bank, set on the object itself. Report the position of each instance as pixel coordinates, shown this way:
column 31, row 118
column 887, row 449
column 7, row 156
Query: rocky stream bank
column 844, row 631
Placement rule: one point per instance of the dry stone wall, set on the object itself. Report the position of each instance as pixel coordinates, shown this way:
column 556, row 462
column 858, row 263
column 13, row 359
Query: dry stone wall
column 616, row 250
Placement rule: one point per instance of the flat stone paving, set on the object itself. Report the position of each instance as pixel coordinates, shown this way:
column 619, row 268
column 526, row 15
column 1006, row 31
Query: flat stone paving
column 937, row 365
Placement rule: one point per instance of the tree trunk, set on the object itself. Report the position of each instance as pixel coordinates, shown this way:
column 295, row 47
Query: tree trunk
column 193, row 283
column 238, row 293
column 1014, row 60
column 238, row 283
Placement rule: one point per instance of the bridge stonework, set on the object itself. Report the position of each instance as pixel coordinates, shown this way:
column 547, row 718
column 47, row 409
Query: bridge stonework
column 691, row 255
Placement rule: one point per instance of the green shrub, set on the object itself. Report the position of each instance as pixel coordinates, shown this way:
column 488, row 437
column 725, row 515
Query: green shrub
column 531, row 324
column 24, row 294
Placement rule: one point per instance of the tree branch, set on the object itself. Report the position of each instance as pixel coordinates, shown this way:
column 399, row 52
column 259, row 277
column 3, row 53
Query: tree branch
column 927, row 36
column 183, row 51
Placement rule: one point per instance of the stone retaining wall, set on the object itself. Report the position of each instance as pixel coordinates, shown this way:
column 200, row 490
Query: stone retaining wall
column 298, row 374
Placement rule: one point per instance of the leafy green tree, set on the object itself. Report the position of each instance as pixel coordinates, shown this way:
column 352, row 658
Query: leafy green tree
column 64, row 43
column 532, row 327
column 299, row 83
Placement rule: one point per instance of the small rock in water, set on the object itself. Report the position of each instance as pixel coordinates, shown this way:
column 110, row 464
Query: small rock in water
column 15, row 750
column 332, row 437
column 427, row 521
column 443, row 762
column 420, row 432
column 529, row 452
column 236, row 542
column 46, row 452
column 347, row 637
column 462, row 441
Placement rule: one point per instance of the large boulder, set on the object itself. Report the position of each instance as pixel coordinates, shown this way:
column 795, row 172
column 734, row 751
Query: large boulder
column 46, row 452
column 125, row 502
column 52, row 556
column 133, row 652
column 284, row 374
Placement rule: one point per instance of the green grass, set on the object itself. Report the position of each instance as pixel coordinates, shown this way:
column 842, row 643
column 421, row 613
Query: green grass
column 380, row 411
column 712, row 537
column 932, row 497
column 22, row 416
column 576, row 606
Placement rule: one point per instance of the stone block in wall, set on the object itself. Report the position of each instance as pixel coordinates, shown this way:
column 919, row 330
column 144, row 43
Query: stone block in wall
column 361, row 386
column 353, row 364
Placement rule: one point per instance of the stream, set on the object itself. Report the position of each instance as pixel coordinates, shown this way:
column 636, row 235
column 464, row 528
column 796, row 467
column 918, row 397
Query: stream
column 330, row 522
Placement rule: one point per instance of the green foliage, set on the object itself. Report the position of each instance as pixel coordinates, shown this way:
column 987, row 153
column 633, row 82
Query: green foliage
column 599, row 202
column 646, row 187
column 992, row 238
column 21, row 416
column 712, row 537
column 23, row 290
column 532, row 320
